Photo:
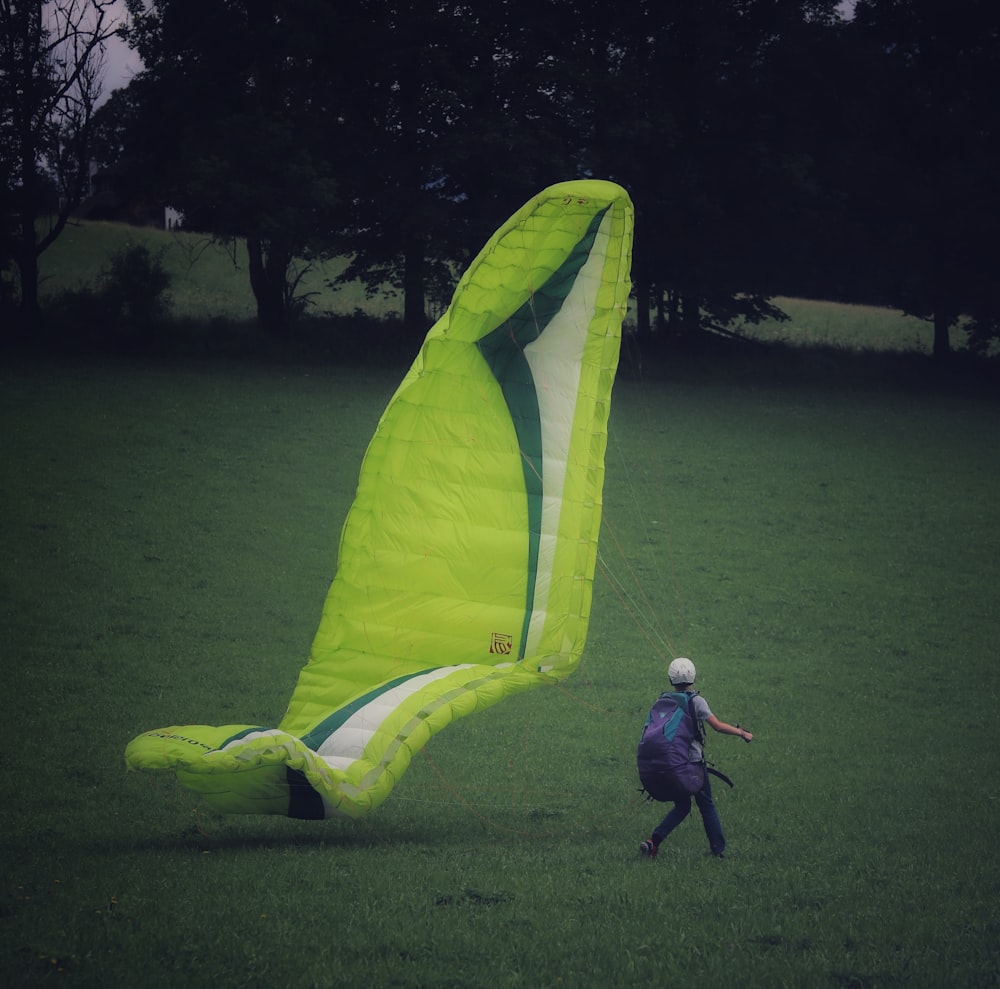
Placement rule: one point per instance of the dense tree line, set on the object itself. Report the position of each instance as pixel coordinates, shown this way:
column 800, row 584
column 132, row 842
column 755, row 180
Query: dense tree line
column 771, row 146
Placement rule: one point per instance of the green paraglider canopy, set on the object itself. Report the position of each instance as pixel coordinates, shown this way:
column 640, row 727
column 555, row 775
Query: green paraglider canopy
column 467, row 559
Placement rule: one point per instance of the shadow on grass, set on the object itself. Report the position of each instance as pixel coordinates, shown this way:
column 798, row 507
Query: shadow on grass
column 738, row 361
column 328, row 836
column 359, row 339
column 347, row 339
column 193, row 839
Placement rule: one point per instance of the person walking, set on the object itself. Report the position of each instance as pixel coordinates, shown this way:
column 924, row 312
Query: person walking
column 691, row 779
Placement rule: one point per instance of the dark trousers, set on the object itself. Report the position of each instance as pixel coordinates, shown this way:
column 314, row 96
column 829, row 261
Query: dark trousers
column 709, row 817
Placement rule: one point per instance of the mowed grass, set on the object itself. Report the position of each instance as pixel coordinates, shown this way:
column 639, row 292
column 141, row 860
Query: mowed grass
column 211, row 283
column 210, row 279
column 845, row 325
column 828, row 557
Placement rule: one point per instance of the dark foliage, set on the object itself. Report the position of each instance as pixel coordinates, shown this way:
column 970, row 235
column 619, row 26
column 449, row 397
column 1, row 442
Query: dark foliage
column 770, row 147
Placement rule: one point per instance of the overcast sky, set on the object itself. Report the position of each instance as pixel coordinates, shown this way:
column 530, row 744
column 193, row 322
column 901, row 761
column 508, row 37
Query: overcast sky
column 121, row 62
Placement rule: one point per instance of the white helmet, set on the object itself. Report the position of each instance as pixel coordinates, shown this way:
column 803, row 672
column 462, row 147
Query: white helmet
column 681, row 670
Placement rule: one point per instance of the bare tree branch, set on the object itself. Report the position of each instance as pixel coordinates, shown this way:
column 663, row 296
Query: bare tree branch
column 52, row 64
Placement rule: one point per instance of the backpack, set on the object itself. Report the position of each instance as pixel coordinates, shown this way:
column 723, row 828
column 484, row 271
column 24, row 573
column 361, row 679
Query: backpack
column 664, row 754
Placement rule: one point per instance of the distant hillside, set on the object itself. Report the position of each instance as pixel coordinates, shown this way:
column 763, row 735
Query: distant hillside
column 208, row 281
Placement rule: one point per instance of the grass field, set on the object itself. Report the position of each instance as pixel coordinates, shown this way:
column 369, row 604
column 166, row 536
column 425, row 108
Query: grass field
column 828, row 556
column 858, row 327
column 210, row 282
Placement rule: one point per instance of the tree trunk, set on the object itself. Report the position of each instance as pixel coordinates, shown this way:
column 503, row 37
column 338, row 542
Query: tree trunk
column 27, row 245
column 27, row 269
column 942, row 338
column 414, row 305
column 668, row 320
column 267, row 279
column 642, row 326
column 690, row 316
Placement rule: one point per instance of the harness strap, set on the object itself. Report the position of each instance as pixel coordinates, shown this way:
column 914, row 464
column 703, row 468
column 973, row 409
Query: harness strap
column 722, row 776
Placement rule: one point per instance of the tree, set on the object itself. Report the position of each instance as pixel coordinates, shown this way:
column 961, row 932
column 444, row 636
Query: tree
column 395, row 176
column 51, row 66
column 237, row 109
column 698, row 123
column 470, row 109
column 679, row 102
column 452, row 129
column 927, row 193
column 463, row 110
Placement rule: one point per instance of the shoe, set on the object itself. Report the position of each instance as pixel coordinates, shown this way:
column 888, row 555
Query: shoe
column 648, row 849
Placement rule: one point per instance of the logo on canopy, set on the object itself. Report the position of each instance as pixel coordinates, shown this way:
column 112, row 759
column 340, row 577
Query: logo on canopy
column 501, row 644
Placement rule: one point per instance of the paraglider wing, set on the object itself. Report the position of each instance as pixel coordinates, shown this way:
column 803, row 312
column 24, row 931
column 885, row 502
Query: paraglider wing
column 467, row 558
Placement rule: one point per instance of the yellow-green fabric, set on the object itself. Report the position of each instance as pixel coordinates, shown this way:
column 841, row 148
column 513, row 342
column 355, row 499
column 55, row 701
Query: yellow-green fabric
column 467, row 558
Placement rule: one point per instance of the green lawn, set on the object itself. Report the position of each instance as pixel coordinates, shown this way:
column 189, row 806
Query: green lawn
column 857, row 327
column 827, row 556
column 210, row 282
